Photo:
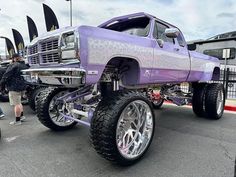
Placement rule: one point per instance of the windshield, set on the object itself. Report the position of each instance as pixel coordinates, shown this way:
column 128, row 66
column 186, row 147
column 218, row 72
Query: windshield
column 134, row 26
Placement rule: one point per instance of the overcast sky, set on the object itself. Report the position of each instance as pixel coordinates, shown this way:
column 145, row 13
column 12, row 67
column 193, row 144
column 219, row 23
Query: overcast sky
column 198, row 19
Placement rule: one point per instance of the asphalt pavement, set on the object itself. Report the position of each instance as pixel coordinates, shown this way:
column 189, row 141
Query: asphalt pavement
column 183, row 146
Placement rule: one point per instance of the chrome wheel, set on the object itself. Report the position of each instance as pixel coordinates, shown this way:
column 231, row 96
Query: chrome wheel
column 220, row 102
column 37, row 96
column 134, row 129
column 55, row 109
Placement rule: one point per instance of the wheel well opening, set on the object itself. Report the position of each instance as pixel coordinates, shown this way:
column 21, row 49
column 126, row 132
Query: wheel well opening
column 128, row 69
column 216, row 74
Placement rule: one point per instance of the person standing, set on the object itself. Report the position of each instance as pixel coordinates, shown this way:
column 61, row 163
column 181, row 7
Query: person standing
column 15, row 84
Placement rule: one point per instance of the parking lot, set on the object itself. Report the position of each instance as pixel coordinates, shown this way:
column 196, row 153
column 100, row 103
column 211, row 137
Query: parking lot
column 183, row 146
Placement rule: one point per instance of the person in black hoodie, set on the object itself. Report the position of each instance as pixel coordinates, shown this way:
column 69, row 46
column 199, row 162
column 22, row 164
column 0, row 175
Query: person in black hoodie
column 16, row 85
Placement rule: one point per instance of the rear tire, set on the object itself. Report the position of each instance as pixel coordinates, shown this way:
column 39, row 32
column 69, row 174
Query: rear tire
column 198, row 100
column 114, row 132
column 46, row 106
column 215, row 101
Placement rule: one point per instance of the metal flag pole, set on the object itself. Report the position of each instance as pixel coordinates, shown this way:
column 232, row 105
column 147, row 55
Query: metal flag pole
column 70, row 12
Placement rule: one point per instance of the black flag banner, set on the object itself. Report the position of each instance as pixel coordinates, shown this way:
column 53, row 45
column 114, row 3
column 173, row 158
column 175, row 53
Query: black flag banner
column 33, row 32
column 50, row 18
column 19, row 42
column 10, row 47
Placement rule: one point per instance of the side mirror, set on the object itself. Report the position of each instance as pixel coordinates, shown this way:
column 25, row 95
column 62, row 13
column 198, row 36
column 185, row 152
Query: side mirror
column 172, row 32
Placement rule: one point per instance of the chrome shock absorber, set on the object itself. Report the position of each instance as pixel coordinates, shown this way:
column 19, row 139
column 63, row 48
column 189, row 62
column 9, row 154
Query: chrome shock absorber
column 115, row 80
column 115, row 84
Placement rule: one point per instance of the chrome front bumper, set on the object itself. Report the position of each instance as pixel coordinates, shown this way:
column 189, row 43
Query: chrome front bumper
column 68, row 77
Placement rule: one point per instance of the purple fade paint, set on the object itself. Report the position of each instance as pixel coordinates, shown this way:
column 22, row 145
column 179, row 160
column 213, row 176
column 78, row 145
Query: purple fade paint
column 98, row 61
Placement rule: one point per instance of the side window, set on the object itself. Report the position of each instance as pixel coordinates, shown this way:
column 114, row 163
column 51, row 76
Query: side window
column 159, row 32
column 218, row 53
column 181, row 40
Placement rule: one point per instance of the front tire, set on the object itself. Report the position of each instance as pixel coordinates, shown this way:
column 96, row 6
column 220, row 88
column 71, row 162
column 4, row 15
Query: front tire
column 48, row 112
column 122, row 127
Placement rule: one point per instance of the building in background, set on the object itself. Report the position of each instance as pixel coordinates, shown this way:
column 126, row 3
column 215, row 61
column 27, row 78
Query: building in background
column 214, row 46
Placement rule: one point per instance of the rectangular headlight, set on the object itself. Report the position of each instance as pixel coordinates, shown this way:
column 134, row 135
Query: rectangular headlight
column 68, row 41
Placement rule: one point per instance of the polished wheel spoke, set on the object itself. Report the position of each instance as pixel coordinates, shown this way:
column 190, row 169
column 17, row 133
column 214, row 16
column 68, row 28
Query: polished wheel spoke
column 54, row 116
column 56, row 109
column 134, row 129
column 219, row 103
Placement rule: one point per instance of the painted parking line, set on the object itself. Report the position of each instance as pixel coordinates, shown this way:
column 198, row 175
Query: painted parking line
column 11, row 139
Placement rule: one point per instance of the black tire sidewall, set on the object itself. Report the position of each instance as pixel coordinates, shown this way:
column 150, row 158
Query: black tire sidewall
column 43, row 110
column 211, row 101
column 44, row 105
column 116, row 116
column 198, row 99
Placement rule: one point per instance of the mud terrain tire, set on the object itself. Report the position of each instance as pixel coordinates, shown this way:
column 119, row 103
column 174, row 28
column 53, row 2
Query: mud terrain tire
column 107, row 121
column 214, row 101
column 198, row 100
column 42, row 109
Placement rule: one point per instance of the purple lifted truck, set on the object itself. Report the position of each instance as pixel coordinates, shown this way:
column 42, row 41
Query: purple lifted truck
column 103, row 77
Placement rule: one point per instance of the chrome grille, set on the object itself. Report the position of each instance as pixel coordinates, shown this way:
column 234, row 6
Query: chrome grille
column 50, row 58
column 33, row 49
column 33, row 59
column 33, row 56
column 49, row 45
column 44, row 52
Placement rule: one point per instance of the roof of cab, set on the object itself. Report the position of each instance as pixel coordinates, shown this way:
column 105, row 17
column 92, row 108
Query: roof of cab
column 139, row 14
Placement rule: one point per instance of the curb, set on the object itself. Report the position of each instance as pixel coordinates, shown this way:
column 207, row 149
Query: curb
column 227, row 107
column 230, row 108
